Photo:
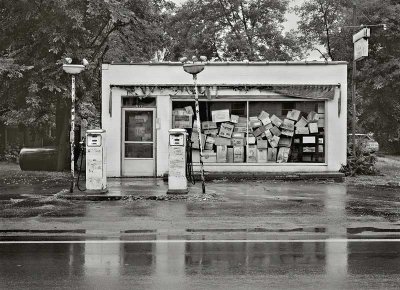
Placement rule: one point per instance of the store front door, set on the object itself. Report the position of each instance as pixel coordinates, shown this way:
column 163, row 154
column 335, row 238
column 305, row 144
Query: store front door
column 138, row 142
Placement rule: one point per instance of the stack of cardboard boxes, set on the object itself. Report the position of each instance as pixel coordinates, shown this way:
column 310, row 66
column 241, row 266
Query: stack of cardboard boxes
column 260, row 139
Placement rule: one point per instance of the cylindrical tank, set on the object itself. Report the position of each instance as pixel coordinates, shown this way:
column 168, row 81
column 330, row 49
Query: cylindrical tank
column 44, row 159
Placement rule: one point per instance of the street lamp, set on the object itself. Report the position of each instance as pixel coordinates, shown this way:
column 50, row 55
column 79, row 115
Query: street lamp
column 194, row 68
column 73, row 69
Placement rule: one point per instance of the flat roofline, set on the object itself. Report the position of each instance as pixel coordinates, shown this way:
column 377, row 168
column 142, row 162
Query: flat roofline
column 235, row 63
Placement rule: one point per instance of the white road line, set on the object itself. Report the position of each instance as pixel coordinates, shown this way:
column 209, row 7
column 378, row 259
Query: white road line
column 200, row 241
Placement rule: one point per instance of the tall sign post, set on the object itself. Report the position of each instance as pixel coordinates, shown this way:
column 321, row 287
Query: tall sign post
column 73, row 69
column 193, row 69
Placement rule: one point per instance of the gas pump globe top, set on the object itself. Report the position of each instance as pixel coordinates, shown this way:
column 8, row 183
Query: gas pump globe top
column 177, row 182
column 96, row 178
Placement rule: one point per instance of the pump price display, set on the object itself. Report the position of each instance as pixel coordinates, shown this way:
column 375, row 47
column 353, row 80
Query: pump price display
column 93, row 140
column 176, row 140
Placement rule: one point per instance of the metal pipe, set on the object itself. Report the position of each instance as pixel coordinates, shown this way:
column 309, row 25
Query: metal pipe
column 72, row 134
column 196, row 98
column 353, row 89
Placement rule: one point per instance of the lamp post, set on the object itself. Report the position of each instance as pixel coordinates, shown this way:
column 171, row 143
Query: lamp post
column 73, row 69
column 195, row 68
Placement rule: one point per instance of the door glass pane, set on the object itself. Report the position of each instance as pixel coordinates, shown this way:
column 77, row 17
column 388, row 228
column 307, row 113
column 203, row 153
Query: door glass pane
column 139, row 126
column 139, row 150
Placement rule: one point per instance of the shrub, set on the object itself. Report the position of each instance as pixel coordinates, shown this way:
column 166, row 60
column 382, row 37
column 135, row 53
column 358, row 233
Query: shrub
column 361, row 163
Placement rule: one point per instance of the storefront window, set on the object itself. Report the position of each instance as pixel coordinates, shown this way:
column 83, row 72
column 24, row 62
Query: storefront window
column 256, row 131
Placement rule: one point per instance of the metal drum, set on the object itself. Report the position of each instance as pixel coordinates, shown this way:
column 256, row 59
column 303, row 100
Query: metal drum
column 43, row 159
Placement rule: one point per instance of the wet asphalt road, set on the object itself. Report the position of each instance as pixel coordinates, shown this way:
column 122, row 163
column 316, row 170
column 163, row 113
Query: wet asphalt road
column 162, row 264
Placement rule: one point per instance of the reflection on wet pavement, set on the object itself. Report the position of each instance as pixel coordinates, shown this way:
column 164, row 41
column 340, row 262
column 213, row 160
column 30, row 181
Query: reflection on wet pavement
column 202, row 265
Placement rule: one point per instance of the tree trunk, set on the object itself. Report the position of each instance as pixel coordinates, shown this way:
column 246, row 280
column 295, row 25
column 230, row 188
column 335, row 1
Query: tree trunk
column 62, row 135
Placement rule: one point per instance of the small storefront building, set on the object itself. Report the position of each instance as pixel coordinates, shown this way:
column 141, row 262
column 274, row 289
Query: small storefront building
column 255, row 116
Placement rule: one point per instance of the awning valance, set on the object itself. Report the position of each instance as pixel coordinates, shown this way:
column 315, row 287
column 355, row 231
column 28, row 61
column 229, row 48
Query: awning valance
column 315, row 92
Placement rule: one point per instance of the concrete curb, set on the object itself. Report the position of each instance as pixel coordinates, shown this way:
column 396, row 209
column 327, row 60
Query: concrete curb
column 287, row 176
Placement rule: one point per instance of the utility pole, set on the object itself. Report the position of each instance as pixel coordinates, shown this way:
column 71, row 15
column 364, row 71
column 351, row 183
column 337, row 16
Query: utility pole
column 353, row 86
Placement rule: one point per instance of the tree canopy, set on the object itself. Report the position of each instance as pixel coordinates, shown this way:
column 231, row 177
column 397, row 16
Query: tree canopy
column 232, row 30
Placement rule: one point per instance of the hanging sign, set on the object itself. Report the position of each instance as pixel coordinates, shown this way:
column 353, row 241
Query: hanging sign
column 360, row 49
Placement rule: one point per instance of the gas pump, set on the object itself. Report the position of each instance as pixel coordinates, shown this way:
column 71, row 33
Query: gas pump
column 177, row 182
column 96, row 179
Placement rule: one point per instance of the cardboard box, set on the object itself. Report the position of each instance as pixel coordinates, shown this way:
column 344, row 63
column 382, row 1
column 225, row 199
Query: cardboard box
column 293, row 115
column 255, row 124
column 220, row 116
column 209, row 156
column 275, row 120
column 313, row 127
column 308, row 139
column 301, row 123
column 264, row 118
column 288, row 125
column 209, row 146
column 222, row 154
column 320, row 148
column 268, row 126
column 230, row 155
column 283, row 155
column 287, row 132
column 253, row 118
column 274, row 141
column 275, row 131
column 312, row 117
column 182, row 121
column 321, row 123
column 262, row 155
column 251, row 140
column 238, row 154
column 189, row 110
column 272, row 154
column 320, row 140
column 285, row 142
column 259, row 138
column 251, row 154
column 226, row 130
column 222, row 141
column 211, row 132
column 237, row 135
column 195, row 140
column 268, row 134
column 263, row 115
column 257, row 132
column 302, row 131
column 262, row 144
column 296, row 141
column 234, row 119
column 210, row 139
column 206, row 125
column 240, row 129
column 307, row 149
column 238, row 142
column 242, row 120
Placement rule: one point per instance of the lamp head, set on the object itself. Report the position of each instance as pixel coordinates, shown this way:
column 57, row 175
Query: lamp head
column 85, row 62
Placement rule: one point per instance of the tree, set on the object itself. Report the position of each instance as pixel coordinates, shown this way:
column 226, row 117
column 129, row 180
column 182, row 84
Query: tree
column 319, row 26
column 232, row 30
column 38, row 34
column 378, row 101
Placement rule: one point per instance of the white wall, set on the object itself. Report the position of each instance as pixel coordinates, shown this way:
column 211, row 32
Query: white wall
column 315, row 73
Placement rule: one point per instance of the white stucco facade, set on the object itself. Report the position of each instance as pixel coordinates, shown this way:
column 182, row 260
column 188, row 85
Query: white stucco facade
column 117, row 78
